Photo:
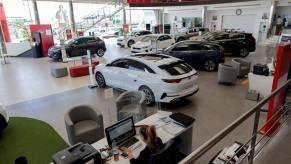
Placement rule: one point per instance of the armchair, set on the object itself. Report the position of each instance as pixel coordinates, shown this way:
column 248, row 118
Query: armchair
column 242, row 66
column 84, row 124
column 226, row 74
column 131, row 103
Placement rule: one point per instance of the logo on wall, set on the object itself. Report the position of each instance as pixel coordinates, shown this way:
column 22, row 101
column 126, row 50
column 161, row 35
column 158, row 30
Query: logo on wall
column 214, row 17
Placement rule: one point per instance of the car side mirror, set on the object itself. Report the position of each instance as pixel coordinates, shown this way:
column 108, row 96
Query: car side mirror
column 109, row 64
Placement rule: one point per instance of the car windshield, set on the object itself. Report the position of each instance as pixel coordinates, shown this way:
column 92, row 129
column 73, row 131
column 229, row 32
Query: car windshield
column 68, row 42
column 176, row 68
column 148, row 38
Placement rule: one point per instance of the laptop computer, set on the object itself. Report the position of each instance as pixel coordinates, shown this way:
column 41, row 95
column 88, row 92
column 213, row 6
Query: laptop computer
column 122, row 133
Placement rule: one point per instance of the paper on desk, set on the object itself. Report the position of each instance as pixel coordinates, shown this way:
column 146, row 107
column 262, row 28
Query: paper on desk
column 173, row 128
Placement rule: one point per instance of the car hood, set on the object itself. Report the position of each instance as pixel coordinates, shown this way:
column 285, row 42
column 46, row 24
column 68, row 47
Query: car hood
column 140, row 44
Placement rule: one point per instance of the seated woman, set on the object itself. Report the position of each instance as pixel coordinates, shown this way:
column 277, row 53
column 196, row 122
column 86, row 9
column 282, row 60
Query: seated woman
column 153, row 142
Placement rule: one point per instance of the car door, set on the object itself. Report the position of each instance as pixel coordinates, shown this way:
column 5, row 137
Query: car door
column 138, row 73
column 92, row 45
column 79, row 47
column 189, row 52
column 115, row 73
column 164, row 41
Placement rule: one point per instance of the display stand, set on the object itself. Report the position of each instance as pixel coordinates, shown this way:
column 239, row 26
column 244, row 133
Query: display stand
column 281, row 76
column 92, row 81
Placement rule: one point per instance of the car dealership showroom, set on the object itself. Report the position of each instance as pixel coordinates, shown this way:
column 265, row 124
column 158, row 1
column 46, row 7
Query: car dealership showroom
column 145, row 81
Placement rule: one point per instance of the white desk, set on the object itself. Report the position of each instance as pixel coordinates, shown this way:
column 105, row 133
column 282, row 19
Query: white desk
column 185, row 135
column 261, row 84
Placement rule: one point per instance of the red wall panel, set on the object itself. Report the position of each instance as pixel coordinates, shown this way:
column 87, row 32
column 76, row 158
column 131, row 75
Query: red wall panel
column 46, row 36
column 4, row 25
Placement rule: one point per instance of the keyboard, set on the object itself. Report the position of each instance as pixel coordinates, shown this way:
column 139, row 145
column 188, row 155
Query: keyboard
column 129, row 142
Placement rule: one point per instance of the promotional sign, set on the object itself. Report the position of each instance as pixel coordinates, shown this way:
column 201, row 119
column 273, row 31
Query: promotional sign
column 80, row 33
column 125, row 28
column 69, row 34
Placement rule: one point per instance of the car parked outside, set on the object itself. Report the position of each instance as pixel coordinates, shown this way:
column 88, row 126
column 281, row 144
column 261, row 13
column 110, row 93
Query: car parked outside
column 152, row 43
column 198, row 54
column 78, row 47
column 161, row 77
column 235, row 43
column 132, row 38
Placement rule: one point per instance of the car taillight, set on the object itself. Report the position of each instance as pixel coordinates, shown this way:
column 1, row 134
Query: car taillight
column 172, row 80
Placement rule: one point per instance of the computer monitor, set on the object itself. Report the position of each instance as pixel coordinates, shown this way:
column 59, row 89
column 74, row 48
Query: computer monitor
column 121, row 131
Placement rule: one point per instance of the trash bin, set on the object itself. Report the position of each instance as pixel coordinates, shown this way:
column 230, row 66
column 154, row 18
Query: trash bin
column 37, row 50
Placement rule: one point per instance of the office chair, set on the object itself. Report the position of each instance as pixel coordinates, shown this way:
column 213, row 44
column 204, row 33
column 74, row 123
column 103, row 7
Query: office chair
column 167, row 154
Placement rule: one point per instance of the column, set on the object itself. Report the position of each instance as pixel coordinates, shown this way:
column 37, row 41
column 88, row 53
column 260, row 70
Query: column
column 72, row 17
column 130, row 19
column 204, row 11
column 35, row 10
column 124, row 17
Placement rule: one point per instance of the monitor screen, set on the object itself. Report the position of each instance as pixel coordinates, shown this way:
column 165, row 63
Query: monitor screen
column 120, row 131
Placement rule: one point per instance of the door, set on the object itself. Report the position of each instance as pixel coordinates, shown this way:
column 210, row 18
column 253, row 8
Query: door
column 115, row 74
column 164, row 41
column 79, row 47
column 137, row 74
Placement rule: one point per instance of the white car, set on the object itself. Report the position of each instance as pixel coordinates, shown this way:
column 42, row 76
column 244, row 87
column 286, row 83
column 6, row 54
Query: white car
column 131, row 38
column 152, row 43
column 161, row 77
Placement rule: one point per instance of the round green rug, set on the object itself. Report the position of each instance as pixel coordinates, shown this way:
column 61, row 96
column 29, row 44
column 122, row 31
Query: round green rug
column 34, row 139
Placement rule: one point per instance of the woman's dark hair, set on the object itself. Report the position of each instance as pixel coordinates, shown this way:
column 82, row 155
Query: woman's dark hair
column 150, row 136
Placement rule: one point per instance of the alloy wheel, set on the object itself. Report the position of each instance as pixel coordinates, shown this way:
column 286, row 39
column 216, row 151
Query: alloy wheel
column 209, row 65
column 100, row 52
column 130, row 43
column 149, row 97
column 100, row 80
column 244, row 52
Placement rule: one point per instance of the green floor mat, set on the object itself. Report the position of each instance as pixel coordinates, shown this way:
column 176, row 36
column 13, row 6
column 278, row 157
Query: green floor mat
column 34, row 139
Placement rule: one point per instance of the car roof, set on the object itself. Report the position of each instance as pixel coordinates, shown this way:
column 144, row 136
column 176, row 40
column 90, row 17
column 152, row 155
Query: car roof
column 153, row 58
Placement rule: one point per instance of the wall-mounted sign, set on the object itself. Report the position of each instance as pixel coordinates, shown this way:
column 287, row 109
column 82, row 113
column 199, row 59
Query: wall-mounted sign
column 238, row 12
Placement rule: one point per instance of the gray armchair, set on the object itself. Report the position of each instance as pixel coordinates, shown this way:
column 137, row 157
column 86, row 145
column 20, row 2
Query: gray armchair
column 84, row 124
column 131, row 103
column 242, row 66
column 226, row 74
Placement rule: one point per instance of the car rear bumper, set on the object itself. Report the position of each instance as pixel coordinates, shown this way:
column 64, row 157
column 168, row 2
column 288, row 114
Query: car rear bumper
column 168, row 97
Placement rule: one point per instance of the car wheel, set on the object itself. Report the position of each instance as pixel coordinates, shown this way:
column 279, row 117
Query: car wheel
column 244, row 52
column 180, row 39
column 149, row 95
column 100, row 80
column 130, row 43
column 209, row 65
column 100, row 52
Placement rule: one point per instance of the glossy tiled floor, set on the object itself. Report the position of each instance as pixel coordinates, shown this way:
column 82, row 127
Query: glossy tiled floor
column 214, row 106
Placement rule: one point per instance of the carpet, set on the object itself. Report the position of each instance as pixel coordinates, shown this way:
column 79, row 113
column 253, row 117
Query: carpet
column 34, row 139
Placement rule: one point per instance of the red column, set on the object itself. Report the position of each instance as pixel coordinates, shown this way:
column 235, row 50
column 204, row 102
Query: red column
column 4, row 25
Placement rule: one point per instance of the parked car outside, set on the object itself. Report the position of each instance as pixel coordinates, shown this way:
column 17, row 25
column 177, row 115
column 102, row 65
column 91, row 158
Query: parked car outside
column 235, row 43
column 132, row 38
column 186, row 35
column 152, row 43
column 78, row 47
column 198, row 54
column 161, row 77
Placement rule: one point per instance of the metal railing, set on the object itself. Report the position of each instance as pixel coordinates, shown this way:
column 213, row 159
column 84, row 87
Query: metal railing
column 204, row 148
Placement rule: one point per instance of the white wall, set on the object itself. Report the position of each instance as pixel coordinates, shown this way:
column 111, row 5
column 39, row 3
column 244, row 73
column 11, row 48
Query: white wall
column 256, row 12
column 256, row 8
